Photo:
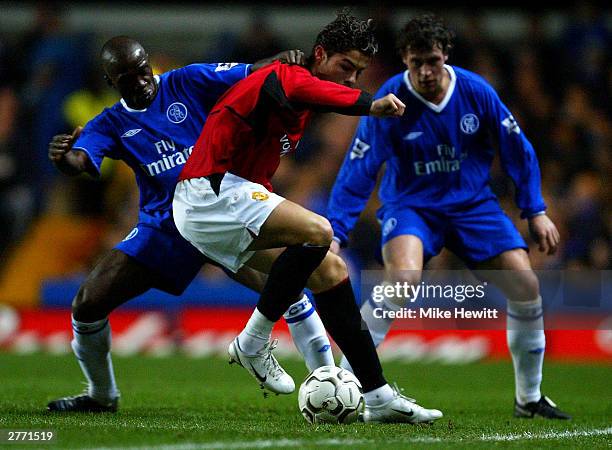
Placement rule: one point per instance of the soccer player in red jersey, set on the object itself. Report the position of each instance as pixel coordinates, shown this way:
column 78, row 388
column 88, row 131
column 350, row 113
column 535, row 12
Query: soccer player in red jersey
column 153, row 255
column 224, row 206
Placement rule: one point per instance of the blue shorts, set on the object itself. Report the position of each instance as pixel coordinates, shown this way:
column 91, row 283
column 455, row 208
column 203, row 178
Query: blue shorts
column 166, row 253
column 474, row 233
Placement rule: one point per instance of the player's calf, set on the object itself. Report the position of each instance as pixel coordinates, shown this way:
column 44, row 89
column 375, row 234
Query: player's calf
column 331, row 272
column 342, row 320
column 287, row 278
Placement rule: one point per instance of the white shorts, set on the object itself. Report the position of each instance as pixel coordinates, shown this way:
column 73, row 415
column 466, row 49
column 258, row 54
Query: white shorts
column 223, row 226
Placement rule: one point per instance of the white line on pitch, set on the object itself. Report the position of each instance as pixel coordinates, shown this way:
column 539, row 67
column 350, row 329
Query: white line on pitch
column 526, row 435
column 272, row 443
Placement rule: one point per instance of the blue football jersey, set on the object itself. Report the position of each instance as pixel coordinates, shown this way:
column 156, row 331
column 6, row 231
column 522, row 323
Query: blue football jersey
column 156, row 142
column 437, row 156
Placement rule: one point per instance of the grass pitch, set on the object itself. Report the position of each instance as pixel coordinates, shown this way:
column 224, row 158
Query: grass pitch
column 188, row 404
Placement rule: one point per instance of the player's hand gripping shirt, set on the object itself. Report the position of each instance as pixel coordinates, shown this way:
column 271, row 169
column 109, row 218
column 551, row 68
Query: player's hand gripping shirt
column 437, row 156
column 156, row 142
column 262, row 118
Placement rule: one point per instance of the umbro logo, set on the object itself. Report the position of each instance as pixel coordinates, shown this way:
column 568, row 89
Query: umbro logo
column 131, row 133
column 412, row 135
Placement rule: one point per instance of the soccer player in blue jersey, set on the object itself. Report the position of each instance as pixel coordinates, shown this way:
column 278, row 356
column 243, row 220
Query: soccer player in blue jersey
column 153, row 129
column 435, row 193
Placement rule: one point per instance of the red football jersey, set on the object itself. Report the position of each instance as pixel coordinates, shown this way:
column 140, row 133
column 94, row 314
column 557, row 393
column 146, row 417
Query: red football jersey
column 263, row 117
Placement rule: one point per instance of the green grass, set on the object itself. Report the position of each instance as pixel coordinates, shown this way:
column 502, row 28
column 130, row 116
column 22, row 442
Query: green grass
column 201, row 402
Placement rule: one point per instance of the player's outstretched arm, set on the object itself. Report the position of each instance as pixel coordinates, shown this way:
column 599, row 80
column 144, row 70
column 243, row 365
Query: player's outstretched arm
column 545, row 233
column 288, row 56
column 67, row 161
column 387, row 106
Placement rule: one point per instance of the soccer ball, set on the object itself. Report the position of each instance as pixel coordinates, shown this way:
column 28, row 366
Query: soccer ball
column 331, row 394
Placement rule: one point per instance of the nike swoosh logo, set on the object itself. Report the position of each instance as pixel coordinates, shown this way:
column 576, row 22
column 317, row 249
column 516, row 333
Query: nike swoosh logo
column 403, row 413
column 259, row 377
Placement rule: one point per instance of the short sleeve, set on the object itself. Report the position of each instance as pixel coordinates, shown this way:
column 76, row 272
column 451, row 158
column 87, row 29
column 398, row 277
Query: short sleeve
column 97, row 142
column 210, row 81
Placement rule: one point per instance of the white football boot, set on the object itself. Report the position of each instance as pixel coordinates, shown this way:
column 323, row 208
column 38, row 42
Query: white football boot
column 264, row 367
column 400, row 409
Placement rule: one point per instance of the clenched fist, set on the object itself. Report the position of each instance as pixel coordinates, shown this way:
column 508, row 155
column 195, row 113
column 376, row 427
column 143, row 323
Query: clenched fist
column 388, row 106
column 61, row 144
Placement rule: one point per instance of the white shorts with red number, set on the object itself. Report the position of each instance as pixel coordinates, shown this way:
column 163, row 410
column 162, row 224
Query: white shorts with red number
column 223, row 226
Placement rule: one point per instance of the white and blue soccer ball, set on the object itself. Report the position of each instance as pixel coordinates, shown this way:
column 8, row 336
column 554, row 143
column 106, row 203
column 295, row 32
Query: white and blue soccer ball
column 331, row 394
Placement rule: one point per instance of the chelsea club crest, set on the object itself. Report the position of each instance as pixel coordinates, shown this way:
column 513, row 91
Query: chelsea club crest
column 469, row 123
column 177, row 112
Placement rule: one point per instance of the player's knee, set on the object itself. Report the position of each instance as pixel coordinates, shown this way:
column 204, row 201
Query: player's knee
column 320, row 231
column 330, row 273
column 403, row 276
column 79, row 305
column 86, row 306
column 527, row 286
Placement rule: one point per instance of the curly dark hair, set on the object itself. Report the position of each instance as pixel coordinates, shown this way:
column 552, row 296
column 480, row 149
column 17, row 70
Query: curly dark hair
column 424, row 33
column 348, row 33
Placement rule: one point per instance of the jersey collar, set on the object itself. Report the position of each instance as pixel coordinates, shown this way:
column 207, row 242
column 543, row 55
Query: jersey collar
column 451, row 88
column 127, row 108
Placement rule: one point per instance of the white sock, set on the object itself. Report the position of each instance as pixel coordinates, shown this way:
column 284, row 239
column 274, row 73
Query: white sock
column 256, row 333
column 378, row 396
column 91, row 345
column 378, row 326
column 309, row 335
column 526, row 341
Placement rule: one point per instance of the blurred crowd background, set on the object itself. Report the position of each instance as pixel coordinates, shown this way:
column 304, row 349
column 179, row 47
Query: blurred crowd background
column 552, row 69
